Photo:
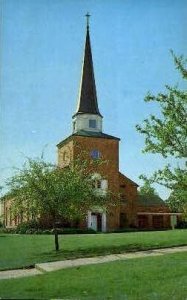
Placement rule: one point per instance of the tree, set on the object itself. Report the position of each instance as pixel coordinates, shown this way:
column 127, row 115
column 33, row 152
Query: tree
column 167, row 135
column 41, row 189
column 147, row 190
column 148, row 194
column 177, row 202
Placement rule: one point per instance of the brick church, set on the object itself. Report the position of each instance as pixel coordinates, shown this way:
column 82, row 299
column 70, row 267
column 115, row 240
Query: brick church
column 88, row 138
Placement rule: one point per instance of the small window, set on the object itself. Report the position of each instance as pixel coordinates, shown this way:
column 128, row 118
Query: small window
column 74, row 125
column 95, row 154
column 92, row 123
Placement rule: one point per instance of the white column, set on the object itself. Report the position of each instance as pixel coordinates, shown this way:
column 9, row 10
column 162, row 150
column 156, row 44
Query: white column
column 89, row 221
column 103, row 222
column 173, row 221
column 104, row 184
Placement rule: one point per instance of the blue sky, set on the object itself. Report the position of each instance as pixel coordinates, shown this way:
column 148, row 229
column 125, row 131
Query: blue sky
column 42, row 47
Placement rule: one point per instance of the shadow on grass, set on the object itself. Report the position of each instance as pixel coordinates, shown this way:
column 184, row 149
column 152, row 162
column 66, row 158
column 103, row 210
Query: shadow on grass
column 100, row 251
column 62, row 254
column 91, row 252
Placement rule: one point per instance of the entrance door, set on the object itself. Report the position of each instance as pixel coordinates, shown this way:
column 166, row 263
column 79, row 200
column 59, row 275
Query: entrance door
column 94, row 222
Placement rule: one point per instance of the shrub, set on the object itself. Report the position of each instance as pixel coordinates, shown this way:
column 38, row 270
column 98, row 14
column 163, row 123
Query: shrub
column 127, row 229
column 47, row 231
column 182, row 224
column 8, row 230
column 31, row 231
column 35, row 227
column 27, row 227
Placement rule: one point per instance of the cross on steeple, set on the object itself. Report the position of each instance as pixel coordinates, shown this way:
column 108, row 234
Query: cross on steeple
column 87, row 19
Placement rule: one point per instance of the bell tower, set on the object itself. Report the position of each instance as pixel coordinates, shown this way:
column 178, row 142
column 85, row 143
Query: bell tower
column 87, row 116
column 88, row 142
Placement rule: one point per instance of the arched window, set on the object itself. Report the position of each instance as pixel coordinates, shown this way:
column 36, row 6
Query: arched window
column 100, row 184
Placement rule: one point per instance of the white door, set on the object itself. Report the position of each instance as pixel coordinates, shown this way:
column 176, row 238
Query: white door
column 94, row 222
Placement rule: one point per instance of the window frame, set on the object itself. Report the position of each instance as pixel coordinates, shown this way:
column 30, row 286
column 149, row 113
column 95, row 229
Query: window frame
column 92, row 123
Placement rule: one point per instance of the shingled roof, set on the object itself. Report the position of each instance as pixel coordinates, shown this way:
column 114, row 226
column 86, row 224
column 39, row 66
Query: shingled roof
column 152, row 200
column 87, row 100
column 88, row 134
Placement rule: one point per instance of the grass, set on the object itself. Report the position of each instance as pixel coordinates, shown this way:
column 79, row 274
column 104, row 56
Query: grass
column 17, row 251
column 156, row 278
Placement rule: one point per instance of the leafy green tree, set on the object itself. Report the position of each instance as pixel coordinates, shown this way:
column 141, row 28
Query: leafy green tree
column 177, row 202
column 147, row 190
column 147, row 193
column 41, row 189
column 167, row 135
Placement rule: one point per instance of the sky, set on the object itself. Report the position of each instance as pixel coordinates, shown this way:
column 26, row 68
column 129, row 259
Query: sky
column 42, row 44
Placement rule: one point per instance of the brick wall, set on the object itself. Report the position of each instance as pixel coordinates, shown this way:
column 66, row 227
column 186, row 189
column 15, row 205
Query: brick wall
column 65, row 154
column 81, row 147
column 109, row 148
column 128, row 191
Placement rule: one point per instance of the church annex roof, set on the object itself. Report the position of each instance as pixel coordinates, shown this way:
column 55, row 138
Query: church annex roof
column 150, row 201
column 87, row 100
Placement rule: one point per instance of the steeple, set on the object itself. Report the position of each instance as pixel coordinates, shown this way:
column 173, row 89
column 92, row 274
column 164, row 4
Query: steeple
column 87, row 100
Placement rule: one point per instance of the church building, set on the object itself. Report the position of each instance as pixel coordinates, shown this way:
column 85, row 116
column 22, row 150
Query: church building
column 90, row 142
column 88, row 138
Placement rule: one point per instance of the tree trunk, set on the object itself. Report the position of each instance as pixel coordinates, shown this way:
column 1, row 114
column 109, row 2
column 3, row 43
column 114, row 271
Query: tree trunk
column 56, row 239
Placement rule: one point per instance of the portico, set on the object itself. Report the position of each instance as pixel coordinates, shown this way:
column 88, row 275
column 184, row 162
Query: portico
column 96, row 220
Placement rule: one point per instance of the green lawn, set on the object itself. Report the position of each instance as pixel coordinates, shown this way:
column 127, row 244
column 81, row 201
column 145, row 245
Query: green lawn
column 152, row 278
column 18, row 251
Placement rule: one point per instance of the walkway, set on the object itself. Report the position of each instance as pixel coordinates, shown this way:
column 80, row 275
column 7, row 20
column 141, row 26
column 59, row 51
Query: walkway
column 57, row 265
